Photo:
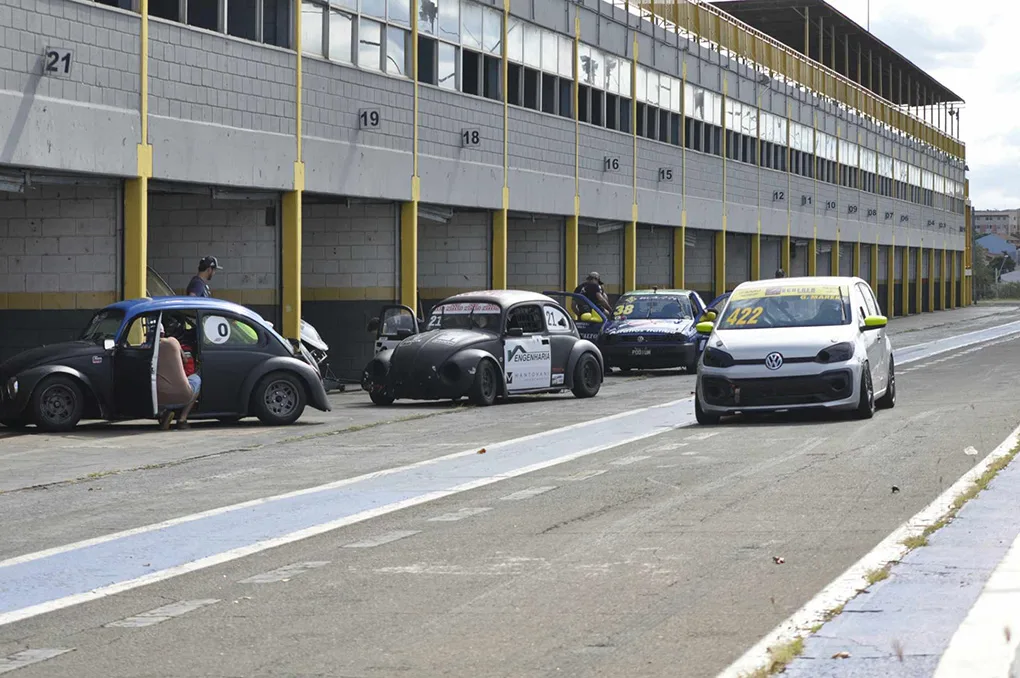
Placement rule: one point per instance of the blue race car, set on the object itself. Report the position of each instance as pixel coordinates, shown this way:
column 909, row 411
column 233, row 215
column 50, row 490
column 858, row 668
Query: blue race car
column 653, row 329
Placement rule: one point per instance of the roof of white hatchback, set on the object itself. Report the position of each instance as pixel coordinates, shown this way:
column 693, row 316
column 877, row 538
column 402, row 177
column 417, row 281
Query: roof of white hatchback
column 807, row 280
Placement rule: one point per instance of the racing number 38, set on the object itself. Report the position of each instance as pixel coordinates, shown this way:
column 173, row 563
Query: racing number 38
column 745, row 316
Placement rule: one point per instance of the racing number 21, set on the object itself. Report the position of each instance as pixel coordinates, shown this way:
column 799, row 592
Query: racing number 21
column 745, row 316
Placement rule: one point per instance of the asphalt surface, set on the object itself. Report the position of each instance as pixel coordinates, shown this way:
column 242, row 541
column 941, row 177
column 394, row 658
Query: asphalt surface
column 654, row 557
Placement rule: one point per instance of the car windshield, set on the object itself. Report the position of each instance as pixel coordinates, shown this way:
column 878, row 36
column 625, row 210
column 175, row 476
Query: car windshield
column 465, row 316
column 787, row 306
column 652, row 306
column 103, row 326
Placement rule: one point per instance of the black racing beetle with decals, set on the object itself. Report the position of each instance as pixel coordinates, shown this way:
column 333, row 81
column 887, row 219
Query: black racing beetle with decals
column 247, row 369
column 481, row 345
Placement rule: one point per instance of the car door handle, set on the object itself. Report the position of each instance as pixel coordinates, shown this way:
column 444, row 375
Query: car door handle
column 545, row 342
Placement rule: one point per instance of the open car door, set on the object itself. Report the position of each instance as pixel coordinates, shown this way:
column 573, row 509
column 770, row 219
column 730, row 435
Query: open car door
column 135, row 362
column 394, row 324
column 589, row 318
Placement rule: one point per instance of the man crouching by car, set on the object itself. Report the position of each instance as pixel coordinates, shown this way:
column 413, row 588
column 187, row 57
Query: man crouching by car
column 175, row 391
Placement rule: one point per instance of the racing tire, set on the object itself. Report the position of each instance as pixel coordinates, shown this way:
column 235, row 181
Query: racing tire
column 704, row 418
column 57, row 404
column 888, row 399
column 381, row 397
column 866, row 406
column 485, row 387
column 279, row 399
column 587, row 377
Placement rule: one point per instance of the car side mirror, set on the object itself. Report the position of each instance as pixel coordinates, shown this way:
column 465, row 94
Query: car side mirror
column 875, row 322
column 108, row 344
column 373, row 325
column 515, row 331
column 705, row 327
column 710, row 315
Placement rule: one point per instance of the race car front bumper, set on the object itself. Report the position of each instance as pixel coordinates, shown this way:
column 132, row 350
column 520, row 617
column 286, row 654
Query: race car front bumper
column 730, row 390
column 648, row 355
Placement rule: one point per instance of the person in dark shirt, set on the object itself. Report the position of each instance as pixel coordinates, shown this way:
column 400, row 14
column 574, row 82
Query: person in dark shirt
column 592, row 290
column 199, row 285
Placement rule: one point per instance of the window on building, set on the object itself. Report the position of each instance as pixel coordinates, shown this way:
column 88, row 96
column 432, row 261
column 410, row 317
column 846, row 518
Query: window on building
column 166, row 9
column 204, row 15
column 370, row 44
column 242, row 18
column 276, row 22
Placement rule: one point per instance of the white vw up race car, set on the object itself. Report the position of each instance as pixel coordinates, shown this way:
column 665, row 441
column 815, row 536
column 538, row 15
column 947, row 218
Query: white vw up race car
column 794, row 343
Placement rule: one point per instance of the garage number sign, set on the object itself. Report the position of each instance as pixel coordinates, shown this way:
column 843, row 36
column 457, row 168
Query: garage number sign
column 216, row 329
column 57, row 61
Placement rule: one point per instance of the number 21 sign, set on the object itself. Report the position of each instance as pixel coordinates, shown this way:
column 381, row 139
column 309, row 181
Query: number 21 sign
column 57, row 61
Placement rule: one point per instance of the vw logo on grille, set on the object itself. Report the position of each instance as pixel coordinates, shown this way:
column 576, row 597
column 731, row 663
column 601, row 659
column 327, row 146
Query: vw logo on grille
column 774, row 361
column 641, row 340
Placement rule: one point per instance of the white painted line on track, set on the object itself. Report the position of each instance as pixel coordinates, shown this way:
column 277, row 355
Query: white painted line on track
column 20, row 660
column 285, row 573
column 986, row 642
column 459, row 515
column 162, row 614
column 627, row 461
column 372, row 542
column 854, row 579
column 528, row 493
column 583, row 475
column 705, row 435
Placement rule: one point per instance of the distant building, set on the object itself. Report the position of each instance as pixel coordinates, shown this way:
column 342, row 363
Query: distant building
column 998, row 222
column 996, row 245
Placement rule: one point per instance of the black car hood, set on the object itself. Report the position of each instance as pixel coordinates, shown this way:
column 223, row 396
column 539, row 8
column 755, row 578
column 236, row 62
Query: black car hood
column 649, row 326
column 436, row 346
column 50, row 353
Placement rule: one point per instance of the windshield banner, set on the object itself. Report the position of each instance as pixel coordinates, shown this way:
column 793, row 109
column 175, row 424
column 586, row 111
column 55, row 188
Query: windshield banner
column 806, row 292
column 464, row 309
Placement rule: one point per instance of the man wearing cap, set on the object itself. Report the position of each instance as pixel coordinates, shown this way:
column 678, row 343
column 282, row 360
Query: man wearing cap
column 199, row 285
column 592, row 289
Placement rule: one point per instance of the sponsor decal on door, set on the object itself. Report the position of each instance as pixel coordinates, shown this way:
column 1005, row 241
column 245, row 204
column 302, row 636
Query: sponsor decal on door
column 528, row 364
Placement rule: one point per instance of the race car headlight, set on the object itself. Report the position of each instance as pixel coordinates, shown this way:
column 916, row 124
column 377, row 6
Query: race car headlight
column 837, row 353
column 716, row 358
column 12, row 387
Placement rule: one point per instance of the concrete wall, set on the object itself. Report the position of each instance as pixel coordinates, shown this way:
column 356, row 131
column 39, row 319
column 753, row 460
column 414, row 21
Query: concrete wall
column 738, row 259
column 244, row 235
column 454, row 257
column 58, row 261
column 771, row 256
column 602, row 252
column 655, row 257
column 698, row 268
column 799, row 259
column 535, row 258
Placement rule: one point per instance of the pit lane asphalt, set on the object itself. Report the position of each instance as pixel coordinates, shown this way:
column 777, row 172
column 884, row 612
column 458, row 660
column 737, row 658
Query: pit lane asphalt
column 659, row 563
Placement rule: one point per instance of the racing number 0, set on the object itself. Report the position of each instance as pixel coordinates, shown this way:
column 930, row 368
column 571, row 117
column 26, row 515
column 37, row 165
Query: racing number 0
column 745, row 316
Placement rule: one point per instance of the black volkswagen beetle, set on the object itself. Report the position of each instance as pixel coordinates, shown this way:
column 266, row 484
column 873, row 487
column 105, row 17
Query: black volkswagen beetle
column 482, row 345
column 110, row 372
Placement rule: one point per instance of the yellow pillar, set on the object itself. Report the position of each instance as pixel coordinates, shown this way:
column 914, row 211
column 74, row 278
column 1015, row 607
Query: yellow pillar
column 629, row 256
column 136, row 190
column 572, row 275
column 290, row 263
column 952, row 279
column 756, row 256
column 409, row 254
column 873, row 278
column 906, row 281
column 679, row 257
column 834, row 256
column 943, row 274
column 499, row 249
column 785, row 253
column 812, row 256
column 719, row 269
column 968, row 250
column 931, row 280
column 919, row 283
column 291, row 256
column 890, row 280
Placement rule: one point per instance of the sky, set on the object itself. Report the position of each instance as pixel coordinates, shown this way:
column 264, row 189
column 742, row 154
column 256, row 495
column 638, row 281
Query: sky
column 971, row 48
